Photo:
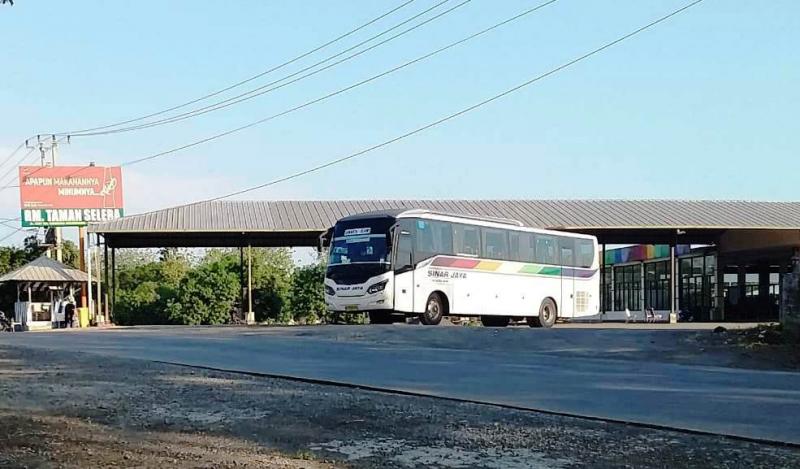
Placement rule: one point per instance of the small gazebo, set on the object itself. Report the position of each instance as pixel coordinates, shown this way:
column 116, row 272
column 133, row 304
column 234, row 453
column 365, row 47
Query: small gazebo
column 44, row 286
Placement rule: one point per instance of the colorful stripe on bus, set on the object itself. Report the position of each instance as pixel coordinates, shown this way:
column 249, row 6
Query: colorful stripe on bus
column 492, row 266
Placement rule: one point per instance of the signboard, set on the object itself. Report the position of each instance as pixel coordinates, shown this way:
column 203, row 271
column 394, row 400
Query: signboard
column 69, row 195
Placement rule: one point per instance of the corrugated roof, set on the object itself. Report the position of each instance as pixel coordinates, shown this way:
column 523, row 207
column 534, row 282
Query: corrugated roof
column 45, row 269
column 233, row 216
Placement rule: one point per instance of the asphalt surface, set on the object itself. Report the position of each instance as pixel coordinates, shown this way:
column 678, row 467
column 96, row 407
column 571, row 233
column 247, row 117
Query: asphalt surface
column 617, row 374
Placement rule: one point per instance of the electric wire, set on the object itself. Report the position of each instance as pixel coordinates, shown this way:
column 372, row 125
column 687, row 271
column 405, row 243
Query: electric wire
column 252, row 78
column 268, row 87
column 453, row 115
column 342, row 90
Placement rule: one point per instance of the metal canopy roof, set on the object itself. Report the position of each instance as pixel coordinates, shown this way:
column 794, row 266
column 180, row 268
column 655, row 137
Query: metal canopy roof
column 299, row 223
column 45, row 269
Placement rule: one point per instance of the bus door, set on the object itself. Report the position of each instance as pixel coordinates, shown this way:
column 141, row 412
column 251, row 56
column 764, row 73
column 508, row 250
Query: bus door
column 403, row 268
column 567, row 307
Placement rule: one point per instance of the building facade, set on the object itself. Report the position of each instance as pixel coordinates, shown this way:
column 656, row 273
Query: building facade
column 710, row 284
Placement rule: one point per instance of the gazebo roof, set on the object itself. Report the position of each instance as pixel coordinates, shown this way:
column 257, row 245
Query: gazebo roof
column 45, row 269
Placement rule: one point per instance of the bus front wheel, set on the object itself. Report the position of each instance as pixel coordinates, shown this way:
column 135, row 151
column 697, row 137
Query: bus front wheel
column 547, row 315
column 434, row 310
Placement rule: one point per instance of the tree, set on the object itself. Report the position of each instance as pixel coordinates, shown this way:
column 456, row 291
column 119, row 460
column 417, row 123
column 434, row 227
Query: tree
column 307, row 297
column 272, row 278
column 206, row 295
column 70, row 254
column 147, row 287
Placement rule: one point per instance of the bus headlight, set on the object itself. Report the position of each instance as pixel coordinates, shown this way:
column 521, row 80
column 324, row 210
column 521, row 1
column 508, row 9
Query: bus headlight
column 375, row 288
column 329, row 291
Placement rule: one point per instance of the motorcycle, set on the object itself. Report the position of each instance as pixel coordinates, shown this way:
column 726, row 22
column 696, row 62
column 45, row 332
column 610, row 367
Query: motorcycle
column 5, row 323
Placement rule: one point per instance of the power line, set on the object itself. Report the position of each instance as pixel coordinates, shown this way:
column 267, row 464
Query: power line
column 248, row 80
column 343, row 90
column 264, row 89
column 340, row 91
column 11, row 155
column 12, row 234
column 456, row 114
column 5, row 185
column 328, row 96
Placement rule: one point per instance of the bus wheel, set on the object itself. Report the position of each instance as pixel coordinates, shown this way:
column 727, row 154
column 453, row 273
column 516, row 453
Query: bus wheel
column 434, row 310
column 547, row 315
column 380, row 317
column 495, row 321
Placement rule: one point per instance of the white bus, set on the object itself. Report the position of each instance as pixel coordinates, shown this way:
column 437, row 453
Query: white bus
column 394, row 264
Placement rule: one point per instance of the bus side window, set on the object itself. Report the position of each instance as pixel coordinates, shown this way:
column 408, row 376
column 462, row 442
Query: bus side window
column 526, row 247
column 513, row 246
column 546, row 249
column 495, row 244
column 567, row 251
column 467, row 240
column 585, row 252
column 433, row 238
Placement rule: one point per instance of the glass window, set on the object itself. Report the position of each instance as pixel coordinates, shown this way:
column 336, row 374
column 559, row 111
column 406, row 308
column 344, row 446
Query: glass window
column 495, row 243
column 432, row 238
column 585, row 252
column 656, row 285
column 370, row 248
column 697, row 266
column 520, row 246
column 627, row 287
column 467, row 240
column 526, row 247
column 567, row 251
column 403, row 254
column 711, row 265
column 545, row 249
column 686, row 267
column 513, row 246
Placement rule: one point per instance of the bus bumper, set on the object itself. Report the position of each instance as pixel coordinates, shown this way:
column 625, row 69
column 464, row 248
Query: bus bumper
column 358, row 303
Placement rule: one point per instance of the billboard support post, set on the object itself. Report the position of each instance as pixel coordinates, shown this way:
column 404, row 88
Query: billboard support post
column 82, row 260
column 98, row 268
column 88, row 245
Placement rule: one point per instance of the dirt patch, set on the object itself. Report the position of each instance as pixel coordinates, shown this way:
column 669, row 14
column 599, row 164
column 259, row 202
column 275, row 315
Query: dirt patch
column 35, row 440
column 764, row 347
column 81, row 410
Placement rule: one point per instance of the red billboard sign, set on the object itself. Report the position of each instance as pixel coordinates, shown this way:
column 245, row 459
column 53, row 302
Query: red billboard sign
column 69, row 195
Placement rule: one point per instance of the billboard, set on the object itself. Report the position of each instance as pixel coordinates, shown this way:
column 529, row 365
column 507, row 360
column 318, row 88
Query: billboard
column 69, row 195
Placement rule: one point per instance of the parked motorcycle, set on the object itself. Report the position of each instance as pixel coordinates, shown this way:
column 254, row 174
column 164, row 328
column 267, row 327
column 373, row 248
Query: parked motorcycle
column 5, row 323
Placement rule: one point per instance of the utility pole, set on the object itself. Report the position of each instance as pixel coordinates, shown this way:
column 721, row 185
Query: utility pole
column 52, row 146
column 54, row 157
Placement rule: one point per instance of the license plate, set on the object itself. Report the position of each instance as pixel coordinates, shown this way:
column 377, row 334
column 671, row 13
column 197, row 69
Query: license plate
column 351, row 308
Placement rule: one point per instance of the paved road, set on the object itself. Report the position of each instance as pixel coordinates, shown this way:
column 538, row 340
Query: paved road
column 473, row 364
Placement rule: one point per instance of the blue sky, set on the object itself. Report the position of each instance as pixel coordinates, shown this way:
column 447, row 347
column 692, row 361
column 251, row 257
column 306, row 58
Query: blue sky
column 703, row 106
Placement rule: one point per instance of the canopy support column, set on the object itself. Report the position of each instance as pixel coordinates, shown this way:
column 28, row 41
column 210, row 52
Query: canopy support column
column 251, row 316
column 114, row 280
column 106, row 277
column 673, row 305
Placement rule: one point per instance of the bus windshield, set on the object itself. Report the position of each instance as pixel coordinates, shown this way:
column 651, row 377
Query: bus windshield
column 361, row 242
column 369, row 248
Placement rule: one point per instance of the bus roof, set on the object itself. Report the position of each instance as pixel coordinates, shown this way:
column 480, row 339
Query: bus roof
column 455, row 217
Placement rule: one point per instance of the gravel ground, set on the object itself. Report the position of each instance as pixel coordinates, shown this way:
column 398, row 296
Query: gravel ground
column 61, row 410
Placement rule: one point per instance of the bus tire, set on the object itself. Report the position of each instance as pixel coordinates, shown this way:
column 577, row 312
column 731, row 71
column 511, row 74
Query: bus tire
column 547, row 315
column 380, row 317
column 495, row 321
column 434, row 310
